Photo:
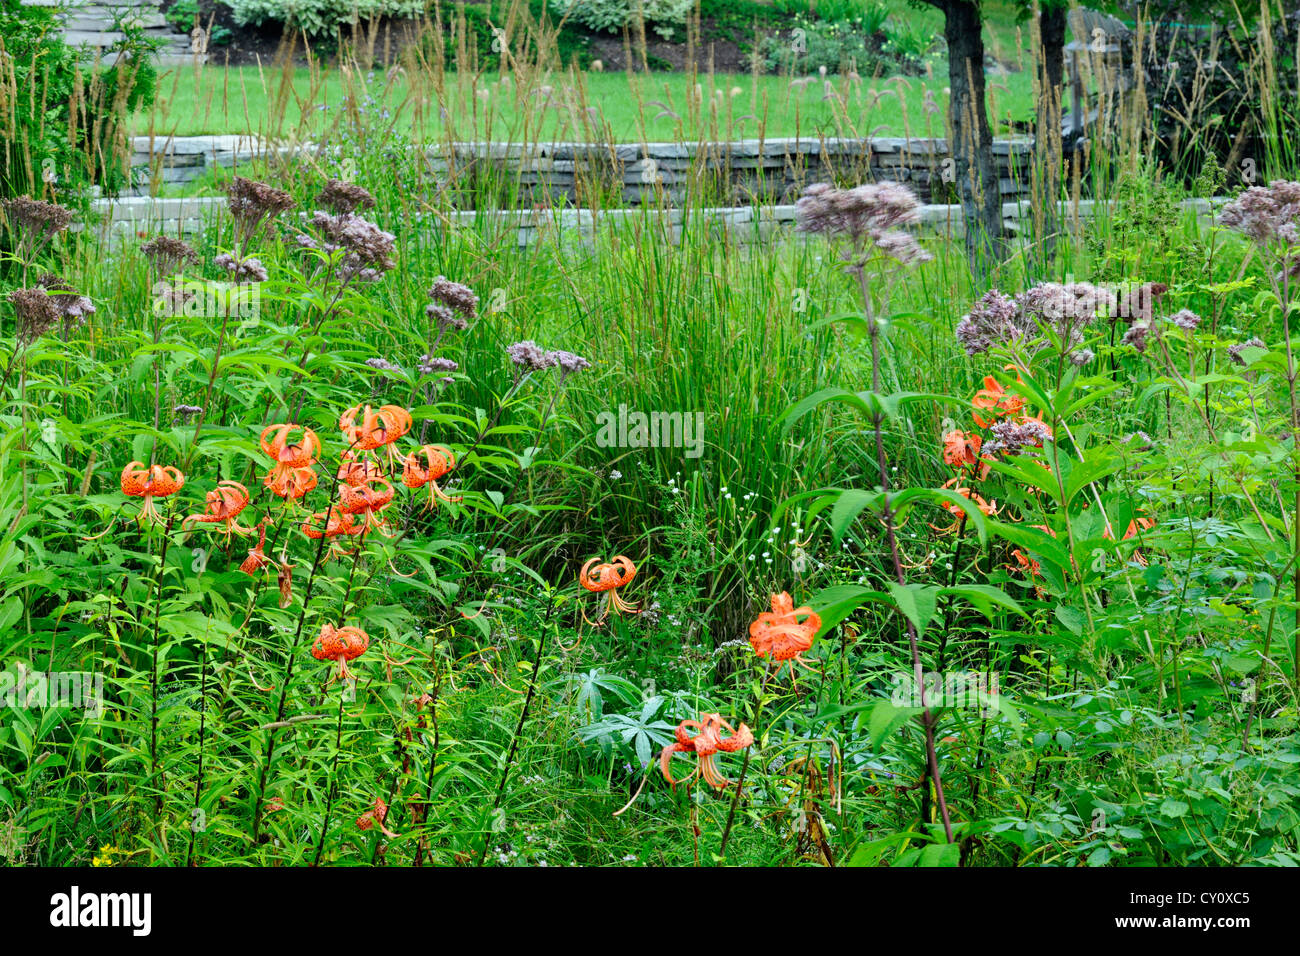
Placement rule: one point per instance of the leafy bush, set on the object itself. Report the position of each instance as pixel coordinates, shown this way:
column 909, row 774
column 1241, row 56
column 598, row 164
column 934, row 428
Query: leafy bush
column 181, row 15
column 909, row 44
column 64, row 128
column 612, row 15
column 320, row 16
column 812, row 44
column 35, row 142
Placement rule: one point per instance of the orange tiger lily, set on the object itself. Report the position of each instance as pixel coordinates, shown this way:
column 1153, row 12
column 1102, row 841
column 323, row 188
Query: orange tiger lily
column 986, row 509
column 156, row 481
column 1027, row 563
column 961, row 448
column 224, row 504
column 780, row 634
column 337, row 523
column 1140, row 523
column 340, row 644
column 290, row 483
column 375, row 815
column 299, row 454
column 291, row 476
column 355, row 472
column 257, row 558
column 370, row 498
column 438, row 461
column 995, row 399
column 609, row 577
column 705, row 743
column 378, row 427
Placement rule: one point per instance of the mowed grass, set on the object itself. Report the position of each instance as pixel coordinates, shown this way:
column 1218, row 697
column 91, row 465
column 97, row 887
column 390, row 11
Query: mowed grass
column 569, row 105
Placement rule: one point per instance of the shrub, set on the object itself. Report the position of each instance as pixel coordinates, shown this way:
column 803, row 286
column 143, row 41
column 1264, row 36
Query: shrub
column 612, row 15
column 812, row 44
column 320, row 16
column 63, row 128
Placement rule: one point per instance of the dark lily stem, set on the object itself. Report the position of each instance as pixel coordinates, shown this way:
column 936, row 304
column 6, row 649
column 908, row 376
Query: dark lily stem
column 338, row 743
column 422, row 845
column 153, row 671
column 952, row 581
column 744, row 767
column 519, row 728
column 887, row 513
column 198, row 783
column 288, row 675
column 329, row 800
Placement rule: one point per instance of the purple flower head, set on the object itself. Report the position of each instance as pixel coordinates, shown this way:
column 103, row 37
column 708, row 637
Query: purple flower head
column 1013, row 438
column 367, row 246
column 568, row 363
column 870, row 213
column 167, row 254
column 1234, row 351
column 1266, row 213
column 530, row 357
column 429, row 364
column 36, row 311
column 252, row 203
column 344, row 197
column 458, row 298
column 993, row 320
column 248, row 269
column 35, row 216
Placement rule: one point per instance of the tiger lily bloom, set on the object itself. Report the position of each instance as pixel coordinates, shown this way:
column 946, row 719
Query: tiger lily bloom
column 257, row 558
column 1027, row 563
column 609, row 577
column 156, row 481
column 705, row 743
column 355, row 472
column 785, row 632
column 299, row 454
column 290, row 483
column 291, row 476
column 370, row 498
column 375, row 815
column 993, row 398
column 340, row 644
column 336, row 524
column 378, row 428
column 986, row 509
column 224, row 504
column 438, row 461
column 961, row 448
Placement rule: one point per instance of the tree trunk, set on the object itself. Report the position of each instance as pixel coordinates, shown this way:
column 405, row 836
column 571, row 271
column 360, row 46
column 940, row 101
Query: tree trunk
column 1048, row 146
column 971, row 140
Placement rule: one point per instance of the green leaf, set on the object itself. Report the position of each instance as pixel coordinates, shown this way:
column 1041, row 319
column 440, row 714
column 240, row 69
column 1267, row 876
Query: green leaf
column 984, row 597
column 1072, row 618
column 940, row 854
column 848, row 506
column 1173, row 808
column 917, row 602
column 834, row 604
column 885, row 719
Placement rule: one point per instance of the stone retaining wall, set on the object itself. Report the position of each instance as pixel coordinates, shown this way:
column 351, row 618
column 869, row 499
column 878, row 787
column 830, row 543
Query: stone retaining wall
column 141, row 217
column 740, row 172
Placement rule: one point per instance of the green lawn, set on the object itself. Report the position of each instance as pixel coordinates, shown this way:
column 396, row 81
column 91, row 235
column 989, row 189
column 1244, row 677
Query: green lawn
column 657, row 106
